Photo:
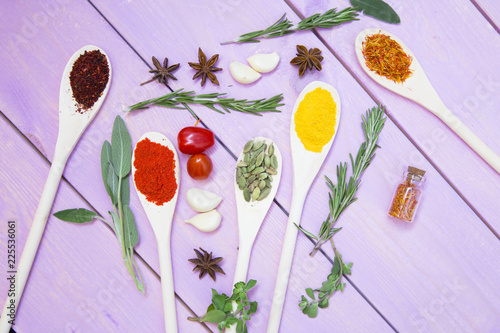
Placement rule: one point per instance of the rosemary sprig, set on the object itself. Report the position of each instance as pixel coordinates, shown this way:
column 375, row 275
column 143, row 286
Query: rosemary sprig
column 340, row 197
column 175, row 98
column 284, row 26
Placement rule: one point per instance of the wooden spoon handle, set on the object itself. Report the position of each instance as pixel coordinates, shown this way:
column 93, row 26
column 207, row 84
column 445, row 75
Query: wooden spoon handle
column 32, row 243
column 285, row 262
column 488, row 155
column 167, row 287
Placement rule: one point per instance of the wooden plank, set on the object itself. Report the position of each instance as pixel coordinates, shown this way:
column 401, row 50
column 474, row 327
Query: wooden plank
column 458, row 60
column 491, row 10
column 397, row 151
column 82, row 23
column 78, row 282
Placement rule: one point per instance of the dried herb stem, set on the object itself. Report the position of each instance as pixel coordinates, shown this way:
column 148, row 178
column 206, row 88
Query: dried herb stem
column 284, row 26
column 176, row 98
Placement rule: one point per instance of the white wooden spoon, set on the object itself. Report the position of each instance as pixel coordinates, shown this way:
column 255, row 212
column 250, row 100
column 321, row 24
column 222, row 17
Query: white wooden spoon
column 72, row 124
column 251, row 215
column 419, row 89
column 306, row 165
column 160, row 218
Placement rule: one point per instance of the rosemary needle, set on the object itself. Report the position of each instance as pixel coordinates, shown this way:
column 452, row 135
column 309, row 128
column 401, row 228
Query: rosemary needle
column 284, row 26
column 175, row 98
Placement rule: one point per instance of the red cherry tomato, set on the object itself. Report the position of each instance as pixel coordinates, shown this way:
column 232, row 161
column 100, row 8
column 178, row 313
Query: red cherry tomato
column 199, row 166
column 194, row 140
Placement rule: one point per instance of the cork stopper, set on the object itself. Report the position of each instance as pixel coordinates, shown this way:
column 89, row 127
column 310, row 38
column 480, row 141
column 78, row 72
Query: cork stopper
column 416, row 171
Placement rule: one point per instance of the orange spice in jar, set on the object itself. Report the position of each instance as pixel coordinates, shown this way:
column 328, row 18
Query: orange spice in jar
column 407, row 197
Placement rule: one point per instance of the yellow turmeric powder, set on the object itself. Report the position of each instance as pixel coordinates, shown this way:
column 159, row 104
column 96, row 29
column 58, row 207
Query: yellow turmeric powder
column 315, row 119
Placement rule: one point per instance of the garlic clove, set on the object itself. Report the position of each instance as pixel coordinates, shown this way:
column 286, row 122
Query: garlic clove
column 202, row 200
column 264, row 62
column 243, row 73
column 206, row 222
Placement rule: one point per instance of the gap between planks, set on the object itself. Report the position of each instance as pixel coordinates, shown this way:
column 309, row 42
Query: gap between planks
column 485, row 15
column 23, row 137
column 235, row 158
column 396, row 123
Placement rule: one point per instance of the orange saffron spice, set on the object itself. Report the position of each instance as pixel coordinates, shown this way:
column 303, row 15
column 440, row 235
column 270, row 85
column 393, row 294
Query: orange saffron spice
column 405, row 201
column 407, row 196
column 386, row 57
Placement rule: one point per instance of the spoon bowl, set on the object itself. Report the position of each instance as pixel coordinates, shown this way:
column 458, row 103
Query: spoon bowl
column 419, row 89
column 72, row 124
column 160, row 217
column 306, row 165
column 251, row 215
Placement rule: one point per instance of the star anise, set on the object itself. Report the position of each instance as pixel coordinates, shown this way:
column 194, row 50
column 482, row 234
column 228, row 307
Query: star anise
column 162, row 73
column 205, row 69
column 206, row 264
column 307, row 59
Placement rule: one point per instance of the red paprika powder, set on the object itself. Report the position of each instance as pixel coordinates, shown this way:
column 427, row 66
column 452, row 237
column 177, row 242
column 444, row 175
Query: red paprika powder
column 155, row 171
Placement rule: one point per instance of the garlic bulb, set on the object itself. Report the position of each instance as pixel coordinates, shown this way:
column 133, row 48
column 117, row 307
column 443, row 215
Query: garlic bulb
column 243, row 73
column 202, row 200
column 264, row 62
column 206, row 222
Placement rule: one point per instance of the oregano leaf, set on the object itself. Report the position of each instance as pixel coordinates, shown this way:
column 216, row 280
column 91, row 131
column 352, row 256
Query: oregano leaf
column 214, row 316
column 310, row 293
column 77, row 215
column 377, row 9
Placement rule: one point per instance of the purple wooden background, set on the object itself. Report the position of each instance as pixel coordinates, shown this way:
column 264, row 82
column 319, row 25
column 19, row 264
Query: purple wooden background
column 438, row 274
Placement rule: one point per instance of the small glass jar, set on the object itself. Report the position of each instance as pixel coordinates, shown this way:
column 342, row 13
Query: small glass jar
column 408, row 195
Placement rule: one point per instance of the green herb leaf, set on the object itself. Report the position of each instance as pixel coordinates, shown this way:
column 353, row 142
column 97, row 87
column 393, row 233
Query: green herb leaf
column 79, row 215
column 105, row 161
column 250, row 284
column 214, row 316
column 113, row 182
column 377, row 9
column 116, row 223
column 121, row 148
column 253, row 308
column 219, row 301
column 240, row 326
column 310, row 293
column 131, row 235
column 125, row 190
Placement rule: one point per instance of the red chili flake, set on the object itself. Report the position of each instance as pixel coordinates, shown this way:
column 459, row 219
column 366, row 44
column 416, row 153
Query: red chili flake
column 88, row 78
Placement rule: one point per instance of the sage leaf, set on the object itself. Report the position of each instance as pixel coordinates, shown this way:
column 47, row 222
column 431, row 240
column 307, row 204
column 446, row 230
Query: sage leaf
column 116, row 223
column 125, row 191
column 105, row 161
column 214, row 316
column 377, row 9
column 79, row 215
column 131, row 236
column 112, row 182
column 121, row 148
